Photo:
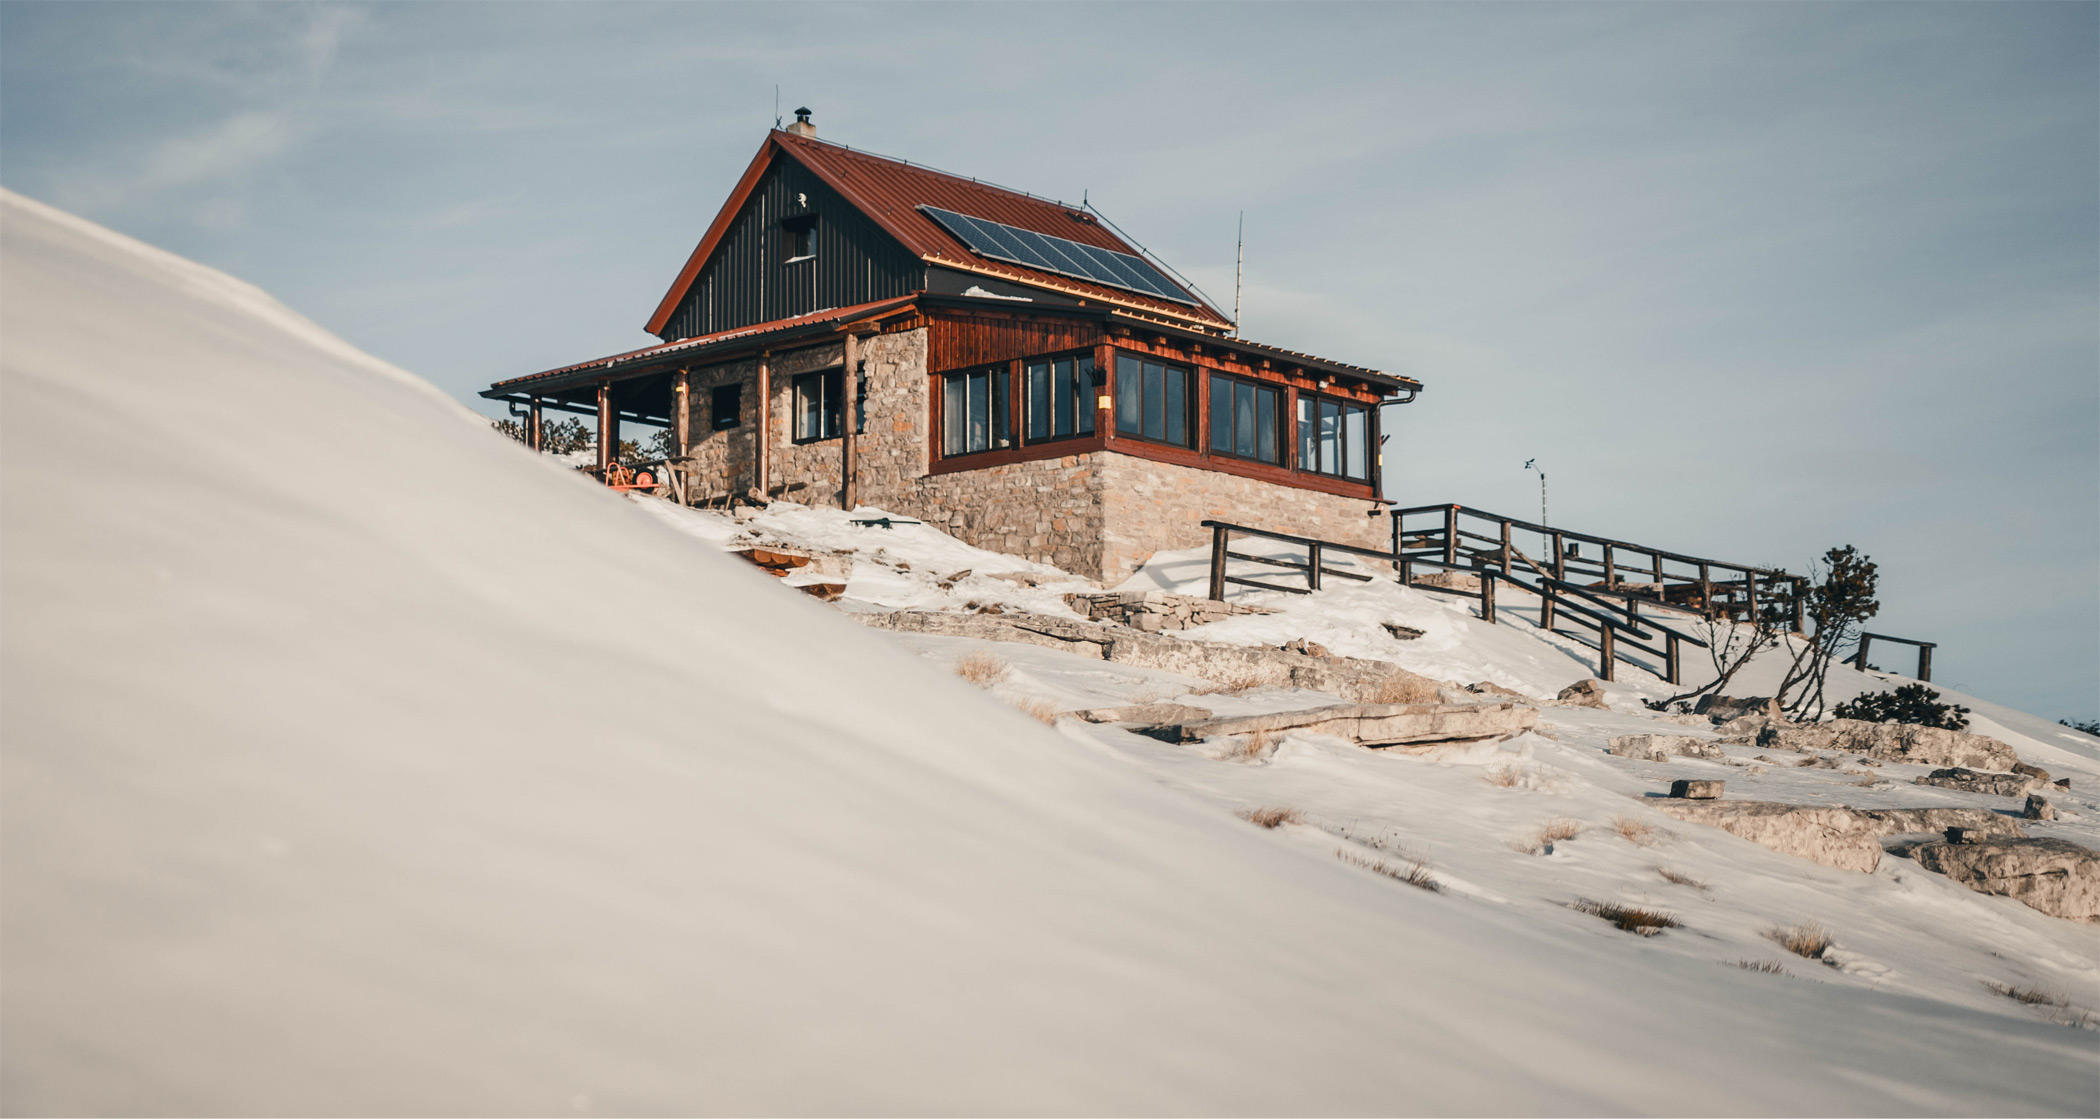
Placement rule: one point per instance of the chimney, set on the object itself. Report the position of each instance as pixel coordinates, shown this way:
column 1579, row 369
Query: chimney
column 802, row 127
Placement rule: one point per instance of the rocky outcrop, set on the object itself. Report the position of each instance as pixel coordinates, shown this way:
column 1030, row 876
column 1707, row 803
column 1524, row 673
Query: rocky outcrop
column 2038, row 809
column 1970, row 781
column 1583, row 693
column 1844, row 838
column 1238, row 665
column 1150, row 714
column 2040, row 775
column 1155, row 611
column 1377, row 724
column 2055, row 876
column 1896, row 742
column 1724, row 708
column 1663, row 747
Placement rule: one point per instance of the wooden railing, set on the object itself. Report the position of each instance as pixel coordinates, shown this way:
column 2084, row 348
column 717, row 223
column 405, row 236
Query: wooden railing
column 1613, row 616
column 1474, row 539
column 1925, row 649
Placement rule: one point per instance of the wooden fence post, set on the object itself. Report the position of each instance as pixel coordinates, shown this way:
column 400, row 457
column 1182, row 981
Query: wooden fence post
column 1706, row 589
column 1487, row 595
column 1925, row 663
column 1560, row 559
column 1451, row 535
column 1217, row 563
column 1505, row 547
column 1546, row 602
column 608, row 430
column 536, row 435
column 1750, row 588
column 1800, row 602
column 1670, row 658
column 1611, row 569
column 1399, row 568
column 1606, row 657
column 1312, row 567
column 1860, row 661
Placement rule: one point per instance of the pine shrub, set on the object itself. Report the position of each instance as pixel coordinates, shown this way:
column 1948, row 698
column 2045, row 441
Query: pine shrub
column 1914, row 704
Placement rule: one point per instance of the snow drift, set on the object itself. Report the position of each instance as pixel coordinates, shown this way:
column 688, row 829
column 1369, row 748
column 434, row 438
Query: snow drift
column 356, row 761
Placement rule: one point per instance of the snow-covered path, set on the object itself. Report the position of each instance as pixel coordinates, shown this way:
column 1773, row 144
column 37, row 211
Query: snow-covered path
column 354, row 760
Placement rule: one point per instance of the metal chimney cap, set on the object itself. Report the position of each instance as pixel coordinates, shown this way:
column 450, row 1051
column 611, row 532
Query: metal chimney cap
column 802, row 127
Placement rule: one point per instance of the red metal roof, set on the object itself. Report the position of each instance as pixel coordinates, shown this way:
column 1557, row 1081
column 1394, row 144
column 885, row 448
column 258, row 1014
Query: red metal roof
column 890, row 191
column 704, row 341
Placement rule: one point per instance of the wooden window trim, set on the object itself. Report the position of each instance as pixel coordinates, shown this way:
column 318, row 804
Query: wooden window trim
column 1285, row 419
column 936, row 440
column 1021, row 391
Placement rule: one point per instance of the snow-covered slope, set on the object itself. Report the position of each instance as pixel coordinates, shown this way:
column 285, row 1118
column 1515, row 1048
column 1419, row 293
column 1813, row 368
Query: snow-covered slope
column 353, row 760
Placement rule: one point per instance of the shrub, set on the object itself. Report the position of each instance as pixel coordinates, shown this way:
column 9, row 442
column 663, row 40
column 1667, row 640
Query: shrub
column 1680, row 878
column 1766, row 966
column 1250, row 747
column 1808, row 940
column 2032, row 996
column 981, row 669
column 2086, row 726
column 1041, row 710
column 1415, row 873
column 1551, row 833
column 1269, row 817
column 1636, row 832
column 1914, row 704
column 1405, row 687
column 1644, row 922
column 1504, row 777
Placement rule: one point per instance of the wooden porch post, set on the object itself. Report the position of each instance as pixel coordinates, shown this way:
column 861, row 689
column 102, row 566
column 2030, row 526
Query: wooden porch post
column 535, row 433
column 608, row 429
column 1451, row 536
column 849, row 385
column 682, row 413
column 1925, row 663
column 1670, row 655
column 1611, row 571
column 1487, row 595
column 1607, row 655
column 1218, row 538
column 1860, row 661
column 764, row 433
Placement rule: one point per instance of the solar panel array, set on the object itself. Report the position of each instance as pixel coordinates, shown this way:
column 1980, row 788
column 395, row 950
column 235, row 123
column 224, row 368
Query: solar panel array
column 1055, row 254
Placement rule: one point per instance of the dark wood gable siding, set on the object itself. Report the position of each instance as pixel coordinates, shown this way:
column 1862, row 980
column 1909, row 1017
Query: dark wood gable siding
column 748, row 279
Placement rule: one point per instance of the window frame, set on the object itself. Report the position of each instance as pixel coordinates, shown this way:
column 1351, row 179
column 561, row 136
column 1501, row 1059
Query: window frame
column 802, row 227
column 1344, row 406
column 830, row 420
column 1192, row 402
column 734, row 389
column 1277, row 390
column 1000, row 435
column 1085, row 403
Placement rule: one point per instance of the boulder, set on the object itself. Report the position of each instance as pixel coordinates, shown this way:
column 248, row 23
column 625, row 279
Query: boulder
column 1369, row 724
column 2055, row 876
column 1400, row 632
column 1663, row 747
column 1450, row 581
column 1308, row 648
column 1840, row 837
column 2040, row 775
column 2038, row 809
column 1747, row 727
column 1150, row 714
column 1896, row 742
column 1723, row 708
column 1696, row 790
column 1970, row 781
column 1583, row 693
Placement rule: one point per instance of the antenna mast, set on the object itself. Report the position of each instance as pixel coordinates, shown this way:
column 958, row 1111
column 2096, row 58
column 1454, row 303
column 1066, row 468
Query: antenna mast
column 776, row 108
column 1239, row 272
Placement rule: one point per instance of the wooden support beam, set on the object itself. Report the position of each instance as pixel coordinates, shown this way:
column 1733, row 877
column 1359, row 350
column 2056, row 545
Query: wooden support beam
column 1312, row 567
column 764, row 432
column 849, row 386
column 1611, row 571
column 1671, row 657
column 1925, row 663
column 1607, row 657
column 1487, row 595
column 608, row 429
column 1451, row 535
column 1218, row 536
column 1866, row 641
column 682, row 413
column 536, row 429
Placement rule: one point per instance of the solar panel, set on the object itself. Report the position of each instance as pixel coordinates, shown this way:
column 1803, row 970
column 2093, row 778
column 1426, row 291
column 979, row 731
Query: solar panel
column 1056, row 254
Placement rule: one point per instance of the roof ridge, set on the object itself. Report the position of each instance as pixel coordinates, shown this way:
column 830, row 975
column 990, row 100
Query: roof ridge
column 928, row 168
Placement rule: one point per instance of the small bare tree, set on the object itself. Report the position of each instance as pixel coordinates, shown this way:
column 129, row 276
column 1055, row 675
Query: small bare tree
column 1731, row 645
column 1840, row 598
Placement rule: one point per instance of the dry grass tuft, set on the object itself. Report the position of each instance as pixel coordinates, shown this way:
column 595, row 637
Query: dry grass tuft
column 1415, row 873
column 2032, row 996
column 1231, row 683
column 1637, row 832
column 982, row 669
column 1404, row 687
column 1269, row 817
column 1041, row 710
column 1808, row 940
column 1554, row 831
column 1644, row 922
column 1504, row 777
column 1250, row 747
column 1766, row 966
column 1680, row 878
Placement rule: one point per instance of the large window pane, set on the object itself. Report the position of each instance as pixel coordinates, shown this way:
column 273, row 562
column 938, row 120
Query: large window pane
column 1220, row 415
column 1155, row 400
column 955, row 416
column 980, row 411
column 1330, row 436
column 1356, row 439
column 1041, row 423
column 1130, row 394
column 1308, row 436
column 1265, row 403
column 1061, row 397
column 1177, row 406
column 1084, row 386
column 1243, row 420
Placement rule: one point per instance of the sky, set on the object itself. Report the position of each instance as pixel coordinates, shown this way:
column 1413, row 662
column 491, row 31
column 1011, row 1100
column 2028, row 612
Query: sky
column 1747, row 281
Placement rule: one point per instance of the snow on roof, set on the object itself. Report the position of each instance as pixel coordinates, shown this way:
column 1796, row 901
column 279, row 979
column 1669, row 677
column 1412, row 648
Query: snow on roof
column 316, row 801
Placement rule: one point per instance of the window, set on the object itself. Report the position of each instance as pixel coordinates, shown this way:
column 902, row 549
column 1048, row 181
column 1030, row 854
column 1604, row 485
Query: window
column 1153, row 401
column 726, row 407
column 817, row 405
column 1244, row 417
column 1334, row 437
column 798, row 237
column 974, row 412
column 1060, row 398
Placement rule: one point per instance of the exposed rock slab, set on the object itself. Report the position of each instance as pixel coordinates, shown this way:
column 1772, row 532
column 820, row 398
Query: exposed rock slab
column 1724, row 708
column 1970, row 781
column 1896, row 742
column 1150, row 714
column 2055, row 876
column 1663, row 747
column 1371, row 724
column 1351, row 677
column 1840, row 837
